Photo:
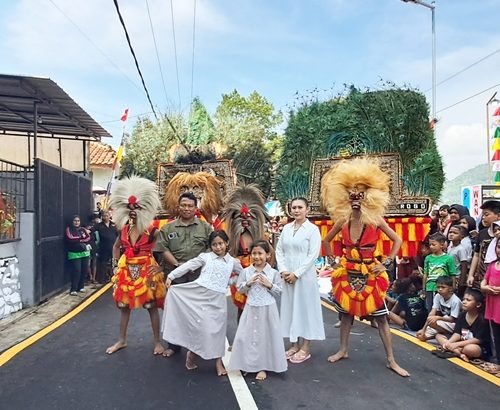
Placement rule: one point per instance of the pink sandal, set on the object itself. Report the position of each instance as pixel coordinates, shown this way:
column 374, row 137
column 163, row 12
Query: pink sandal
column 300, row 357
column 290, row 353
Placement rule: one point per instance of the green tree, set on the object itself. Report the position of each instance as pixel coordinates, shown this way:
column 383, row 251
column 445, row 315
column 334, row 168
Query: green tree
column 246, row 126
column 356, row 122
column 201, row 126
column 149, row 145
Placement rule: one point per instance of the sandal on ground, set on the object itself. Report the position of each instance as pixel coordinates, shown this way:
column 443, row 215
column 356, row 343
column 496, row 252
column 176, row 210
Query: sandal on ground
column 290, row 352
column 491, row 368
column 437, row 350
column 446, row 354
column 300, row 357
column 477, row 361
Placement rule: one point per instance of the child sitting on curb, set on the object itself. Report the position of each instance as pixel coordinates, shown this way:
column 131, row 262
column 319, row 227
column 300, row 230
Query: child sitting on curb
column 444, row 313
column 409, row 312
column 470, row 339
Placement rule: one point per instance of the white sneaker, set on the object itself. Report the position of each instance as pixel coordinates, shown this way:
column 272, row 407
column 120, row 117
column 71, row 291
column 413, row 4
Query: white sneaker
column 73, row 293
column 81, row 290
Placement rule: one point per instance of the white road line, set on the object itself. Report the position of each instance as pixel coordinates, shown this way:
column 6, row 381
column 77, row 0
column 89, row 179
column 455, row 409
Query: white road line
column 240, row 388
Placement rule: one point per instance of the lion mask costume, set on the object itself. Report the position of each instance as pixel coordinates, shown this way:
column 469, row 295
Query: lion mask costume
column 206, row 188
column 356, row 184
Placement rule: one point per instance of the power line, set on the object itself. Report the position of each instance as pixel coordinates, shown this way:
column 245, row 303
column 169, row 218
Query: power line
column 192, row 60
column 157, row 55
column 468, row 98
column 175, row 53
column 465, row 69
column 135, row 58
column 95, row 45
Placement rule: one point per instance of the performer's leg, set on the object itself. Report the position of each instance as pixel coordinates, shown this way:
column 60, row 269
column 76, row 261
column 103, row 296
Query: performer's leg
column 155, row 325
column 345, row 328
column 122, row 341
column 385, row 335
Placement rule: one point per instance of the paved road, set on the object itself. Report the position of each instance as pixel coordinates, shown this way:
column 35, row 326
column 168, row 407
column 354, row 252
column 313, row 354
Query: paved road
column 68, row 369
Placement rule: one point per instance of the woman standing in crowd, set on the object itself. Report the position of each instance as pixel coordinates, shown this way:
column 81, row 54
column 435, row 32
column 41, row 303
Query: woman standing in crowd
column 77, row 244
column 298, row 248
column 107, row 236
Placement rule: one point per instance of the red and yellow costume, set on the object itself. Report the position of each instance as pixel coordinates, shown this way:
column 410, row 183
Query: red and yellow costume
column 134, row 287
column 358, row 291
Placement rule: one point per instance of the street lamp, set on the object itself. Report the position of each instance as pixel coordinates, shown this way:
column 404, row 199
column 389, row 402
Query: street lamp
column 432, row 7
column 490, row 101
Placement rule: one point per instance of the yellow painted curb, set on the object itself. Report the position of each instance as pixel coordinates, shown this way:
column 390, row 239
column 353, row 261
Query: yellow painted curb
column 14, row 350
column 467, row 366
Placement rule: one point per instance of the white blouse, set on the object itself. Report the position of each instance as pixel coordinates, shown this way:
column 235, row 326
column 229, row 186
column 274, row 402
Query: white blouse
column 258, row 294
column 215, row 270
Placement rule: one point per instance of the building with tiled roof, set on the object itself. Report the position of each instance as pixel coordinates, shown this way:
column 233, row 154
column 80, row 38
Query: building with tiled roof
column 102, row 157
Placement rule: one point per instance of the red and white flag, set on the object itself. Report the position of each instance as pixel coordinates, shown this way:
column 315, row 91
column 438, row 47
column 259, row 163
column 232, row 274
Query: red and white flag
column 125, row 115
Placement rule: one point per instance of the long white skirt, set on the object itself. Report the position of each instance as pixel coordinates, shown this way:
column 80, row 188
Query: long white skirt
column 196, row 318
column 258, row 344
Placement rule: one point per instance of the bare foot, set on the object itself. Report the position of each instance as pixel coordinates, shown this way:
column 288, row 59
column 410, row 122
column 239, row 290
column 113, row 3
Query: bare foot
column 168, row 353
column 159, row 349
column 219, row 366
column 117, row 346
column 262, row 375
column 338, row 356
column 190, row 363
column 397, row 369
column 465, row 358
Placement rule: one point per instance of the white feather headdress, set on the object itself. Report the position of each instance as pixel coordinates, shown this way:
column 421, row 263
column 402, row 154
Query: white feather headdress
column 139, row 191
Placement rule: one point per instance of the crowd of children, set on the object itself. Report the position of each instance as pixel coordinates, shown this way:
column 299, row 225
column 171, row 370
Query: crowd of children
column 453, row 294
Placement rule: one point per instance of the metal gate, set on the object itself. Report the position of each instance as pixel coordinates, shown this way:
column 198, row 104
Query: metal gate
column 59, row 194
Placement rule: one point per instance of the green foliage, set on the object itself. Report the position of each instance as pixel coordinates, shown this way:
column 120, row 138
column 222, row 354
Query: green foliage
column 246, row 126
column 201, row 126
column 355, row 122
column 149, row 144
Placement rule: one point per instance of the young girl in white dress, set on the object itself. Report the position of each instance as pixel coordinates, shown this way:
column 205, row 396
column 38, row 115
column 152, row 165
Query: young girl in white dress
column 195, row 314
column 258, row 344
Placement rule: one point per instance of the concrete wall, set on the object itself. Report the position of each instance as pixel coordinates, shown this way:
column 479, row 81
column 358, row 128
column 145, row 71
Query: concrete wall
column 15, row 149
column 26, row 255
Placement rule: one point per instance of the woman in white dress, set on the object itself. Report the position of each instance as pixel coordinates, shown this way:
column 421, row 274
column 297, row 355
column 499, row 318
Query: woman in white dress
column 298, row 248
column 258, row 344
column 195, row 313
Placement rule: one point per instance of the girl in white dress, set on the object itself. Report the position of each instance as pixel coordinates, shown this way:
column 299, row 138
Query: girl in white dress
column 195, row 314
column 258, row 344
column 298, row 248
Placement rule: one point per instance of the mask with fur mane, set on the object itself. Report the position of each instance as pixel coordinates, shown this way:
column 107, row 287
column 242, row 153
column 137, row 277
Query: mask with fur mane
column 134, row 199
column 357, row 183
column 244, row 211
column 203, row 185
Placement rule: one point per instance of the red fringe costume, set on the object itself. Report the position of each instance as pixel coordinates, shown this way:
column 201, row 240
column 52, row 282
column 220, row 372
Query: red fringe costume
column 134, row 287
column 354, row 288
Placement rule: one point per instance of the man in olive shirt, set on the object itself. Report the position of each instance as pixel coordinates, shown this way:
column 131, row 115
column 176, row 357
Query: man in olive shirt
column 182, row 240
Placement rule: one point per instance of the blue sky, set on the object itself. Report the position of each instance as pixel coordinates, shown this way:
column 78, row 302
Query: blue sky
column 274, row 47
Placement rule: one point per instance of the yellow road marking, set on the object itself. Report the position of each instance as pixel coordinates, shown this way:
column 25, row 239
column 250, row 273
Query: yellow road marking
column 467, row 366
column 14, row 350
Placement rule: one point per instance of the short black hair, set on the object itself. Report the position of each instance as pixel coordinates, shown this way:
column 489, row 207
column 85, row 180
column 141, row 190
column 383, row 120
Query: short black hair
column 188, row 195
column 444, row 207
column 491, row 205
column 261, row 244
column 438, row 237
column 300, row 198
column 445, row 280
column 461, row 229
column 402, row 286
column 218, row 234
column 476, row 294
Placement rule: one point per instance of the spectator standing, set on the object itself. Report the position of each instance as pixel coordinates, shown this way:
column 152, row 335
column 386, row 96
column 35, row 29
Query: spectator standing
column 436, row 264
column 78, row 253
column 108, row 233
column 180, row 241
column 458, row 252
column 490, row 285
column 491, row 213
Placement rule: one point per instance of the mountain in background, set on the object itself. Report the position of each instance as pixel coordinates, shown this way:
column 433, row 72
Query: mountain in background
column 452, row 188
